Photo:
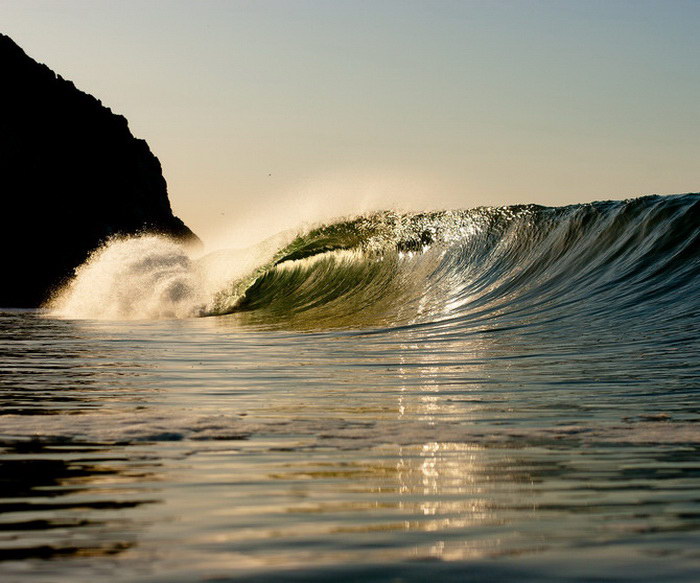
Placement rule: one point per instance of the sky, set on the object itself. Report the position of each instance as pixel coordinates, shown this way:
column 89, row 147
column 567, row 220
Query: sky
column 267, row 115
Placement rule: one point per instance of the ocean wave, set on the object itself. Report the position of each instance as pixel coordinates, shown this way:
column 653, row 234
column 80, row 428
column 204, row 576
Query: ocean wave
column 394, row 269
column 527, row 263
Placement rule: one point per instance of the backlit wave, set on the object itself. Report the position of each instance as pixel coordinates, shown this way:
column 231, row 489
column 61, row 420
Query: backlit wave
column 449, row 269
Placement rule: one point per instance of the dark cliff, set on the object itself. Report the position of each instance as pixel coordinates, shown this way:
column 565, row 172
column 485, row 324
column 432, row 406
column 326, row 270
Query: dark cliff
column 71, row 176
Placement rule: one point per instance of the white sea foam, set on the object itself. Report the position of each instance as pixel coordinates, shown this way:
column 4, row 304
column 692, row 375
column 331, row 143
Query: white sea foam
column 133, row 278
column 150, row 277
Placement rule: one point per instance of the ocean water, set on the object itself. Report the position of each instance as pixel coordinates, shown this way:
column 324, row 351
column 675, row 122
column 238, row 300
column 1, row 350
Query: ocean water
column 506, row 394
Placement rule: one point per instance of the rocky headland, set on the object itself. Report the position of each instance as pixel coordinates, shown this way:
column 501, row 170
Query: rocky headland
column 71, row 176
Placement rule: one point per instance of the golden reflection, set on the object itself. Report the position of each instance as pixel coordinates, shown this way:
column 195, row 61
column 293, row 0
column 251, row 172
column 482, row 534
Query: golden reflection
column 440, row 500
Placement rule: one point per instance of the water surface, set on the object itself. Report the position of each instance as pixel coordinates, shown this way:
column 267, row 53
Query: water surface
column 517, row 401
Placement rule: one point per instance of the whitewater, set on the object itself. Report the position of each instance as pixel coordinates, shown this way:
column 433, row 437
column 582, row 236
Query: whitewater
column 488, row 394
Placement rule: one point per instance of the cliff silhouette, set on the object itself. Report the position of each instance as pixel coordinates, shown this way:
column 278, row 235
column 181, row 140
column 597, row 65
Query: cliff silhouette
column 71, row 176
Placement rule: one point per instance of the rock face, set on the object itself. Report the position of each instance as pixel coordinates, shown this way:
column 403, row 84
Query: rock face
column 71, row 176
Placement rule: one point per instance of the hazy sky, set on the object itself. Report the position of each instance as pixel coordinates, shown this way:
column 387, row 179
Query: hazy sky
column 265, row 114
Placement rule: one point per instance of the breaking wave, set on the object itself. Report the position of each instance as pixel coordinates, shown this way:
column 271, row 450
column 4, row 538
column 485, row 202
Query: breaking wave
column 519, row 264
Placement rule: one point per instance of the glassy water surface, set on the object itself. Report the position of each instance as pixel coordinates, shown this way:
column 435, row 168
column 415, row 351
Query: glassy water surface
column 194, row 449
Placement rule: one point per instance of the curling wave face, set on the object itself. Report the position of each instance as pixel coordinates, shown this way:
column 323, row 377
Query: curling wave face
column 447, row 270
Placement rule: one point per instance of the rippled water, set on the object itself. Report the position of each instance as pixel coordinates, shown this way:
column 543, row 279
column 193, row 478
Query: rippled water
column 496, row 395
column 190, row 449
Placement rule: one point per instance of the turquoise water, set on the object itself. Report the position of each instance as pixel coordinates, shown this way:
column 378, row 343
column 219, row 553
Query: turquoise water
column 536, row 419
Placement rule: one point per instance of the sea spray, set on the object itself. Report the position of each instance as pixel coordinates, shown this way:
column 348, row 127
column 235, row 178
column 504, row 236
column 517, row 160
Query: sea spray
column 147, row 277
column 153, row 277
